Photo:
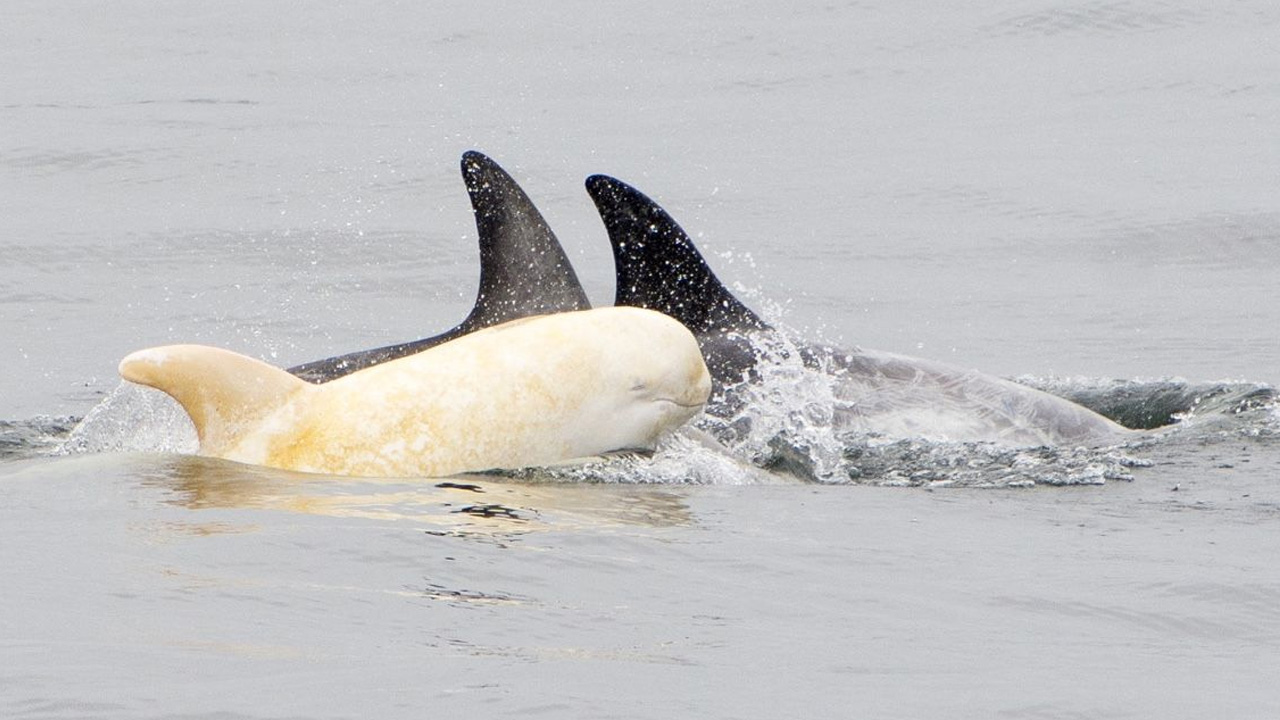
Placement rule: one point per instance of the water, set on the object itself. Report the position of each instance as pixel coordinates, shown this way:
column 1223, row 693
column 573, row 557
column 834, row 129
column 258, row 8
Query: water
column 1079, row 195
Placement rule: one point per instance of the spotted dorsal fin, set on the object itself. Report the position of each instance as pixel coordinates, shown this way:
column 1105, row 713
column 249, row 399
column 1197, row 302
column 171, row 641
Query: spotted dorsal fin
column 658, row 266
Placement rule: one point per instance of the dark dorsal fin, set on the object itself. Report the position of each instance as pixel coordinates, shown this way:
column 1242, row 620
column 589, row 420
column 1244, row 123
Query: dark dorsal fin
column 658, row 266
column 523, row 270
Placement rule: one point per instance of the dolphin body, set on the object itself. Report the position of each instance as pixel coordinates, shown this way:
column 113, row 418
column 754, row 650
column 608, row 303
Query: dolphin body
column 659, row 268
column 529, row 392
column 523, row 271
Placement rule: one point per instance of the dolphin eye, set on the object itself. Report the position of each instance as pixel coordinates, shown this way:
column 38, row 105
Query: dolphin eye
column 639, row 386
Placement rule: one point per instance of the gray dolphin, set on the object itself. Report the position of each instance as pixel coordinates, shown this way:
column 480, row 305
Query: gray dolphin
column 523, row 270
column 659, row 268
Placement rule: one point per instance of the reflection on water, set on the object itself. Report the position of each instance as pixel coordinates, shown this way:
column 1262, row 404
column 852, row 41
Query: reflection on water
column 471, row 505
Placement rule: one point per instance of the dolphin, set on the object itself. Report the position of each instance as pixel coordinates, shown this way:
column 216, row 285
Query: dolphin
column 533, row 391
column 658, row 267
column 523, row 270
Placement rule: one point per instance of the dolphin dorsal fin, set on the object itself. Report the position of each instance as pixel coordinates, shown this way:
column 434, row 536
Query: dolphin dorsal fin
column 523, row 270
column 658, row 266
column 225, row 393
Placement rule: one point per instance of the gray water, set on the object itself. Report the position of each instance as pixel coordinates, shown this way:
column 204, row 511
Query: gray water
column 1078, row 195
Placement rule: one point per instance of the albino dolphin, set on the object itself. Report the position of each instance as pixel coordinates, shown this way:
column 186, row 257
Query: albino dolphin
column 534, row 391
column 659, row 268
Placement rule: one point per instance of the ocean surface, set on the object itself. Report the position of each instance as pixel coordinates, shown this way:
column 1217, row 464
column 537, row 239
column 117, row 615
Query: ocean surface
column 1080, row 196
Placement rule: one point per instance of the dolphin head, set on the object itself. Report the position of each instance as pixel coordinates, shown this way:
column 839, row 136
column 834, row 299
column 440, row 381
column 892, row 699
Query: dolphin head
column 652, row 379
column 673, row 378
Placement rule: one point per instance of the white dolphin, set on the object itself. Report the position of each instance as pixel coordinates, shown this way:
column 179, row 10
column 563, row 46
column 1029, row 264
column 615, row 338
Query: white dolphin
column 535, row 391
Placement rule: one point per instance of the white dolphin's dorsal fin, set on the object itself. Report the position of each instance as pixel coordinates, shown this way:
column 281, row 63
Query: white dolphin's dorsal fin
column 225, row 393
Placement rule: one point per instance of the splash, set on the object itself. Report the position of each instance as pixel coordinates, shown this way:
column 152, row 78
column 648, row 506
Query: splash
column 785, row 419
column 133, row 419
column 39, row 435
column 791, row 424
column 687, row 457
column 801, row 419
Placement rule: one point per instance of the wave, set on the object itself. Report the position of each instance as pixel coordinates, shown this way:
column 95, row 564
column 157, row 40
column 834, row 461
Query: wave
column 785, row 432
